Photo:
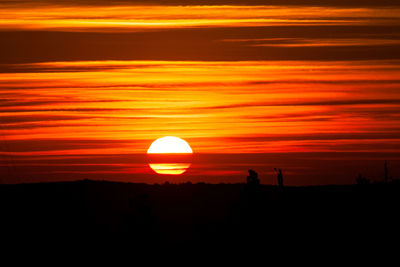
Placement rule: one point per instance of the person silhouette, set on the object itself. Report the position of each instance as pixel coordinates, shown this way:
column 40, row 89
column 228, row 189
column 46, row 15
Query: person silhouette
column 280, row 177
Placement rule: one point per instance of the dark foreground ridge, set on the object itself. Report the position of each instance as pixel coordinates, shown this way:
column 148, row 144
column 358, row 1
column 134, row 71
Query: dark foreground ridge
column 220, row 215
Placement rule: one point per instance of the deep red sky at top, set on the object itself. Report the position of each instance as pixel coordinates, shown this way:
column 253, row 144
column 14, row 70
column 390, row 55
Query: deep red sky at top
column 86, row 86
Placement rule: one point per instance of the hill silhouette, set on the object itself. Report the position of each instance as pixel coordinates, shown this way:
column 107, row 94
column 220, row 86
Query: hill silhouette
column 197, row 215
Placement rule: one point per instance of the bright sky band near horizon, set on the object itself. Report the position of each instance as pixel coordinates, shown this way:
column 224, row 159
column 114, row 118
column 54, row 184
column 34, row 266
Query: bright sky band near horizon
column 85, row 80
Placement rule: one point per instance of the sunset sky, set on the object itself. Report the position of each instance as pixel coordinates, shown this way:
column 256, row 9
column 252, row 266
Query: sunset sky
column 312, row 87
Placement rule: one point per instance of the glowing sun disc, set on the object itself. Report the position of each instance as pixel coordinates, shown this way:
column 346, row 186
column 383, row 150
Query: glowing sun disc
column 169, row 168
column 166, row 145
column 169, row 144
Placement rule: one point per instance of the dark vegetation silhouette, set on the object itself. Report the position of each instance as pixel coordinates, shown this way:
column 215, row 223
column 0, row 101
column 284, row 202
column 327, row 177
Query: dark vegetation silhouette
column 219, row 216
column 252, row 179
column 361, row 180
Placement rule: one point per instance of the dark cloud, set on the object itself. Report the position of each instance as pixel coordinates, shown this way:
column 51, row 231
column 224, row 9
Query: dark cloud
column 37, row 118
column 347, row 102
column 34, row 145
column 19, row 103
column 395, row 134
column 17, row 110
column 192, row 44
column 346, row 3
column 54, row 118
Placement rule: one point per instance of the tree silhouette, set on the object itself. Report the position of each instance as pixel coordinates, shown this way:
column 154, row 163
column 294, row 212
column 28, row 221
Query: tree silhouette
column 362, row 180
column 252, row 179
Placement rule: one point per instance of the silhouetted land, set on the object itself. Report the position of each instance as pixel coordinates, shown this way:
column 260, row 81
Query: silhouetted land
column 220, row 215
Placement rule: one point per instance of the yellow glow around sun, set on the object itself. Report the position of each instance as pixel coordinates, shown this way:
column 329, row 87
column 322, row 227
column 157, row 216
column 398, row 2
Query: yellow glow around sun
column 169, row 144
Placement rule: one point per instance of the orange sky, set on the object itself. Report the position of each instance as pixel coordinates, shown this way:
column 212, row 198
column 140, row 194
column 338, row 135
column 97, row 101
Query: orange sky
column 78, row 79
column 127, row 18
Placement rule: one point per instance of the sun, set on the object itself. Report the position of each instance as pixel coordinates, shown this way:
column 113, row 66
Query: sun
column 161, row 160
column 170, row 168
column 169, row 144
